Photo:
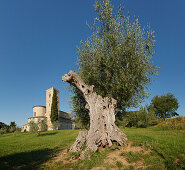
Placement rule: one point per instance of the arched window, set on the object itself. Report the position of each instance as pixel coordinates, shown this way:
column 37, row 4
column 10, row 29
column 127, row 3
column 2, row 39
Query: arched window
column 34, row 114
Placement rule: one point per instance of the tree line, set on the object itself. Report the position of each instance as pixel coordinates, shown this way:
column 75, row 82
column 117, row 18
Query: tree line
column 4, row 128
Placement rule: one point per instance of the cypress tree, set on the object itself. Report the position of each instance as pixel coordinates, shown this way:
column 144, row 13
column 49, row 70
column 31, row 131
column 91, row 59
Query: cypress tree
column 54, row 107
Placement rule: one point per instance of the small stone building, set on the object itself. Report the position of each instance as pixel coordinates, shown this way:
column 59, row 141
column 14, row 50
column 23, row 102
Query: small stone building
column 43, row 112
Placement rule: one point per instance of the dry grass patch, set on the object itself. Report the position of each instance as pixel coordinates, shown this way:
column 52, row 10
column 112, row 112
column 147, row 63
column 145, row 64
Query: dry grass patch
column 127, row 156
column 124, row 157
column 173, row 123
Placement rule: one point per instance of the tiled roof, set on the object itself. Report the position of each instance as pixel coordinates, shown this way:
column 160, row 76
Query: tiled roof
column 39, row 106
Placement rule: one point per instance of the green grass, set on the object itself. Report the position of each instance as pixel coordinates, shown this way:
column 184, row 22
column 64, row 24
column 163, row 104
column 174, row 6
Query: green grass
column 119, row 164
column 95, row 160
column 29, row 151
column 132, row 156
column 168, row 146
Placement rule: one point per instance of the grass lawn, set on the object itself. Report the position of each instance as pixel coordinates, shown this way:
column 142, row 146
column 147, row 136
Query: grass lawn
column 168, row 146
column 29, row 151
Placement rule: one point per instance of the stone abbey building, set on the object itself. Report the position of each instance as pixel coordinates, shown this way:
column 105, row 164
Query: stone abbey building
column 43, row 112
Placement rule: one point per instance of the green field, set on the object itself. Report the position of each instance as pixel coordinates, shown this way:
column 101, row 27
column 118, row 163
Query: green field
column 29, row 151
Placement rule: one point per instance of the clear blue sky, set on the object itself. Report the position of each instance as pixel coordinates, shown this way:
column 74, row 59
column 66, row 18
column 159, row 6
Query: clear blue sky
column 38, row 41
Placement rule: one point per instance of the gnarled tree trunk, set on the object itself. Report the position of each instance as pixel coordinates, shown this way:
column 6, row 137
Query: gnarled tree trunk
column 103, row 130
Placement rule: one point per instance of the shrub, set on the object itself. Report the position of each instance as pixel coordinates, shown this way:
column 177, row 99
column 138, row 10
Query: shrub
column 80, row 123
column 55, row 125
column 12, row 129
column 43, row 125
column 143, row 118
column 4, row 130
column 2, row 125
column 18, row 129
column 33, row 127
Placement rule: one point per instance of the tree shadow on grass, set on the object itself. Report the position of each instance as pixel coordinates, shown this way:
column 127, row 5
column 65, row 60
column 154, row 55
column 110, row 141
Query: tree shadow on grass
column 26, row 160
column 48, row 134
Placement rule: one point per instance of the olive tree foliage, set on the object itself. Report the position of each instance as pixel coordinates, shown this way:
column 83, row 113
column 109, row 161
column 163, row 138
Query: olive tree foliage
column 55, row 125
column 165, row 106
column 33, row 127
column 43, row 125
column 116, row 58
column 40, row 126
column 80, row 113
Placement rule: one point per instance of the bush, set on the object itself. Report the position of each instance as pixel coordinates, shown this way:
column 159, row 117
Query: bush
column 80, row 123
column 4, row 130
column 143, row 118
column 3, row 125
column 121, row 122
column 55, row 125
column 12, row 127
column 7, row 128
column 33, row 127
column 18, row 129
column 43, row 125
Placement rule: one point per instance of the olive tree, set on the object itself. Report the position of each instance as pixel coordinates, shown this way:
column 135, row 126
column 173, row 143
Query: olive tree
column 103, row 130
column 116, row 59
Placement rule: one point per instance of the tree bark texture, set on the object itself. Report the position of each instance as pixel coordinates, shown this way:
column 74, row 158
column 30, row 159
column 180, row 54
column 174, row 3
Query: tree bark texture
column 103, row 130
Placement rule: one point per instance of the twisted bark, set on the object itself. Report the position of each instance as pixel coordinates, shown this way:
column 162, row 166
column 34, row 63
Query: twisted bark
column 103, row 130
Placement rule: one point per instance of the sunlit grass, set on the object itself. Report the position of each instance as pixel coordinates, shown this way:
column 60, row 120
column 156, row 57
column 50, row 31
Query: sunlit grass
column 169, row 145
column 31, row 151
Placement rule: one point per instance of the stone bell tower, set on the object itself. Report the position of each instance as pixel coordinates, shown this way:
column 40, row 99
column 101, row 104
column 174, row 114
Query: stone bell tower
column 49, row 96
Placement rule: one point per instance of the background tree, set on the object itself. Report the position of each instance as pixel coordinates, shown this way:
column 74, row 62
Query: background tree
column 12, row 126
column 4, row 128
column 143, row 118
column 3, row 125
column 116, row 59
column 54, row 107
column 165, row 106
